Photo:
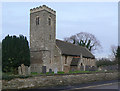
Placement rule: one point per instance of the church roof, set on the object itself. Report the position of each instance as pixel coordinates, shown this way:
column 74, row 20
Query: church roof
column 73, row 50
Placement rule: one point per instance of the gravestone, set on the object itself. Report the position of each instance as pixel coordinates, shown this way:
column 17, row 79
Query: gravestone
column 23, row 69
column 99, row 68
column 81, row 68
column 44, row 69
column 19, row 70
column 38, row 69
column 29, row 70
column 95, row 68
column 50, row 70
column 92, row 68
column 73, row 70
column 110, row 67
column 26, row 70
column 55, row 71
column 87, row 68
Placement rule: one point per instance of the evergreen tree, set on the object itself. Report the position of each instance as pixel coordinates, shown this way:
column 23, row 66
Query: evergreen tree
column 118, row 55
column 0, row 57
column 15, row 51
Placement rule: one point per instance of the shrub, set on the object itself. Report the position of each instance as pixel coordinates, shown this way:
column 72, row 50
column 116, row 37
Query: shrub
column 15, row 51
column 104, row 62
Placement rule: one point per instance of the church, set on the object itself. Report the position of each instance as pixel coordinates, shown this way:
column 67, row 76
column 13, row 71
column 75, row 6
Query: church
column 46, row 50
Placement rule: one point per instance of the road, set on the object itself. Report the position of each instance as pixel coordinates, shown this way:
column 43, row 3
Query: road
column 92, row 86
column 101, row 87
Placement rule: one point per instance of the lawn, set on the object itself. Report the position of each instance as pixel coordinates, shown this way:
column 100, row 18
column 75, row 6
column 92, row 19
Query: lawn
column 9, row 76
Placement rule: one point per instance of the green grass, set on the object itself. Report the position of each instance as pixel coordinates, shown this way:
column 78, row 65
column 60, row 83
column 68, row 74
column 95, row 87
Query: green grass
column 9, row 76
column 82, row 71
column 34, row 73
column 60, row 72
column 47, row 73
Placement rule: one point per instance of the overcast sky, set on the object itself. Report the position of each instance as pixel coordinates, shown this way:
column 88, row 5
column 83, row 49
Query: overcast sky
column 100, row 19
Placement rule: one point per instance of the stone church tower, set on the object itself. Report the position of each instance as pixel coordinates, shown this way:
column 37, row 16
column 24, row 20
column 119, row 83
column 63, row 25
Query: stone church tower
column 42, row 36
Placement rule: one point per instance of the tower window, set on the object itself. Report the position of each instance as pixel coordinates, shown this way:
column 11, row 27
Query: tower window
column 65, row 59
column 37, row 20
column 49, row 21
column 50, row 37
column 50, row 61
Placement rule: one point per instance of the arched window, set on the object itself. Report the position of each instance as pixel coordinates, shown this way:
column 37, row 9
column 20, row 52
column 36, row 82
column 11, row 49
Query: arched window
column 81, row 64
column 37, row 20
column 49, row 21
column 50, row 37
column 65, row 59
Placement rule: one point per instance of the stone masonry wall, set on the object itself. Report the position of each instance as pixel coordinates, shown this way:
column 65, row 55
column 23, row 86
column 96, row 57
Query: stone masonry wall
column 57, row 59
column 66, row 66
column 88, row 61
column 41, row 81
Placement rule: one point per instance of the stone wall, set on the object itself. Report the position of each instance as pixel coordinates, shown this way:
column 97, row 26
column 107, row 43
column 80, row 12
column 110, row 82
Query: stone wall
column 66, row 65
column 41, row 81
column 88, row 61
column 58, row 59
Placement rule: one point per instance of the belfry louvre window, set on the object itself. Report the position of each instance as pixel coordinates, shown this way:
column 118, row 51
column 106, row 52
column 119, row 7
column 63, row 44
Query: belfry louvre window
column 65, row 59
column 37, row 20
column 49, row 21
column 50, row 37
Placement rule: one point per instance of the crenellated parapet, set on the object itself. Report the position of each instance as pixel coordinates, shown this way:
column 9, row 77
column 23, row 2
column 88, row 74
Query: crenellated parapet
column 43, row 7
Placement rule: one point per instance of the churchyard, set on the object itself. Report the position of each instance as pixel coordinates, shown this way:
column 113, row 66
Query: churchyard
column 24, row 72
column 27, row 79
column 57, row 80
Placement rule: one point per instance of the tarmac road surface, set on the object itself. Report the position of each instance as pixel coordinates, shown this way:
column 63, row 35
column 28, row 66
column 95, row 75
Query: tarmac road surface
column 93, row 86
column 113, row 85
column 101, row 87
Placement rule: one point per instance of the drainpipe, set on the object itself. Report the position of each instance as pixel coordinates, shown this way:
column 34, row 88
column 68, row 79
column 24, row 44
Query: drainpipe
column 62, row 63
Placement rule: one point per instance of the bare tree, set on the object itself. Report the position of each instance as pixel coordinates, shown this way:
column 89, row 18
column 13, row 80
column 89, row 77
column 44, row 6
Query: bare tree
column 72, row 39
column 84, row 39
column 114, row 50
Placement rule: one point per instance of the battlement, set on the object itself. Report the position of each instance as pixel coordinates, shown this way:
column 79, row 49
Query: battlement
column 43, row 7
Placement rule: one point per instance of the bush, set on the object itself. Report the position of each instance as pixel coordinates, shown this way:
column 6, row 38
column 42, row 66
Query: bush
column 104, row 62
column 15, row 51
